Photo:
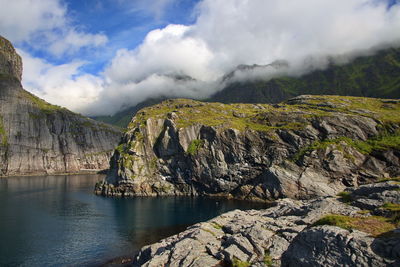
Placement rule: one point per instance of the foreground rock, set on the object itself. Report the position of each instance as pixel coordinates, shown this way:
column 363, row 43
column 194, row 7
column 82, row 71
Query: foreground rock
column 39, row 138
column 290, row 234
column 307, row 147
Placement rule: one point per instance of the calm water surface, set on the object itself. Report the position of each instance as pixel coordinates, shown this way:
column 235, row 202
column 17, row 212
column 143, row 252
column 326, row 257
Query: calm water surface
column 57, row 221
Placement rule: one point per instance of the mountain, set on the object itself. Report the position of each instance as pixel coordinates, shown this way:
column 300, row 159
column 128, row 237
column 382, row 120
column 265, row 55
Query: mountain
column 306, row 147
column 39, row 138
column 368, row 76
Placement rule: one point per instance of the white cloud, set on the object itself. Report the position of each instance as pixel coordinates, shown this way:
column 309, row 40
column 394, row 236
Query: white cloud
column 164, row 51
column 62, row 85
column 226, row 34
column 21, row 19
column 229, row 33
column 261, row 31
column 45, row 26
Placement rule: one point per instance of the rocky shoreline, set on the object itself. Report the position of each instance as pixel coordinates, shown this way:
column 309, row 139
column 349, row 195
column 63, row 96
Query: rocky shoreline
column 359, row 228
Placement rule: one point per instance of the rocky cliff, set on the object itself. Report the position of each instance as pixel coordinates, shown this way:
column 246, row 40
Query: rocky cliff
column 359, row 229
column 39, row 138
column 307, row 147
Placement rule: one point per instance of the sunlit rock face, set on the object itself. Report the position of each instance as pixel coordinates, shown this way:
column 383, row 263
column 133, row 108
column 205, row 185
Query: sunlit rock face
column 306, row 147
column 319, row 232
column 37, row 137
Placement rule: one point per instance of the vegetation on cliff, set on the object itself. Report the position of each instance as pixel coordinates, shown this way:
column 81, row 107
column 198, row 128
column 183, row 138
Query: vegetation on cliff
column 288, row 115
column 308, row 145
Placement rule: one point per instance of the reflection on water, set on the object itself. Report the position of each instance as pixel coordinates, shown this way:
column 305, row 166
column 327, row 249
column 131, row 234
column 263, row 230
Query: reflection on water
column 56, row 220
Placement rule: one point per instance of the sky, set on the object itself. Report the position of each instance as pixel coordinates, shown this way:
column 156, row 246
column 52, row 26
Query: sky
column 97, row 57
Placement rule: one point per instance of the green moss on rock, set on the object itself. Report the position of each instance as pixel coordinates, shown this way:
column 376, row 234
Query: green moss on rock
column 264, row 117
column 194, row 146
column 374, row 225
column 3, row 134
column 41, row 104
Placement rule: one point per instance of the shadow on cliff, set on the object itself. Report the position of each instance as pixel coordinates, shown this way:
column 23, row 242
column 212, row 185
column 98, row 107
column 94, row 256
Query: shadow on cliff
column 387, row 245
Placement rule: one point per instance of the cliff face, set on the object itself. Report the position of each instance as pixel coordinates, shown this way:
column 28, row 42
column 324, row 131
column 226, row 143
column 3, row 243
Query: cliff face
column 37, row 137
column 306, row 147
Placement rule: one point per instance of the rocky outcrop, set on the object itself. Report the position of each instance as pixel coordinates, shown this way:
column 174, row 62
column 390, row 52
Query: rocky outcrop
column 292, row 233
column 10, row 61
column 307, row 147
column 39, row 138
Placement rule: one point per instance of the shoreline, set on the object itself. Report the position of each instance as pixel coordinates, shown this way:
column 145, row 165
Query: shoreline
column 104, row 172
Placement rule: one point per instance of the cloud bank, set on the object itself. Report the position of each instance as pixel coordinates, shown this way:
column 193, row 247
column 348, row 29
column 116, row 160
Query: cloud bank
column 44, row 23
column 225, row 34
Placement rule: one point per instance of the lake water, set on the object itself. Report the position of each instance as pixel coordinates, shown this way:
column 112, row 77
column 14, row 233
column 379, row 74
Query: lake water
column 58, row 221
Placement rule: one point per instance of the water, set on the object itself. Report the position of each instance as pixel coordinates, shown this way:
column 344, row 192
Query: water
column 57, row 220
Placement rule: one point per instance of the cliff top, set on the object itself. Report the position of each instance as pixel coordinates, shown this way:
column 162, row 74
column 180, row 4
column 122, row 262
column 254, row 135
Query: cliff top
column 264, row 117
column 10, row 61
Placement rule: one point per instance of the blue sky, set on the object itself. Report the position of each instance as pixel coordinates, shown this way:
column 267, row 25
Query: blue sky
column 98, row 57
column 124, row 22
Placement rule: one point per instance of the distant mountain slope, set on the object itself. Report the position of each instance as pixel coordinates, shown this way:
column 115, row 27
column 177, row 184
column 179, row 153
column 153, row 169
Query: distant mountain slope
column 368, row 76
column 122, row 118
column 39, row 138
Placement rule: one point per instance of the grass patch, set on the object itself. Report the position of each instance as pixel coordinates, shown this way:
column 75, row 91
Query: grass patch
column 268, row 259
column 216, row 225
column 382, row 142
column 318, row 145
column 395, row 179
column 3, row 134
column 264, row 117
column 194, row 146
column 374, row 225
column 391, row 207
column 41, row 104
column 394, row 209
column 209, row 231
column 363, row 212
column 238, row 263
column 190, row 112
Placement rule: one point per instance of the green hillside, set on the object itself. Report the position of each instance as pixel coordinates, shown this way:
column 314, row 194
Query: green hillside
column 122, row 118
column 370, row 76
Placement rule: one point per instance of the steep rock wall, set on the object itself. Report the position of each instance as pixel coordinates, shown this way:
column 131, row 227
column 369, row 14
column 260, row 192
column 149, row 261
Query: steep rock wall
column 309, row 146
column 37, row 137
